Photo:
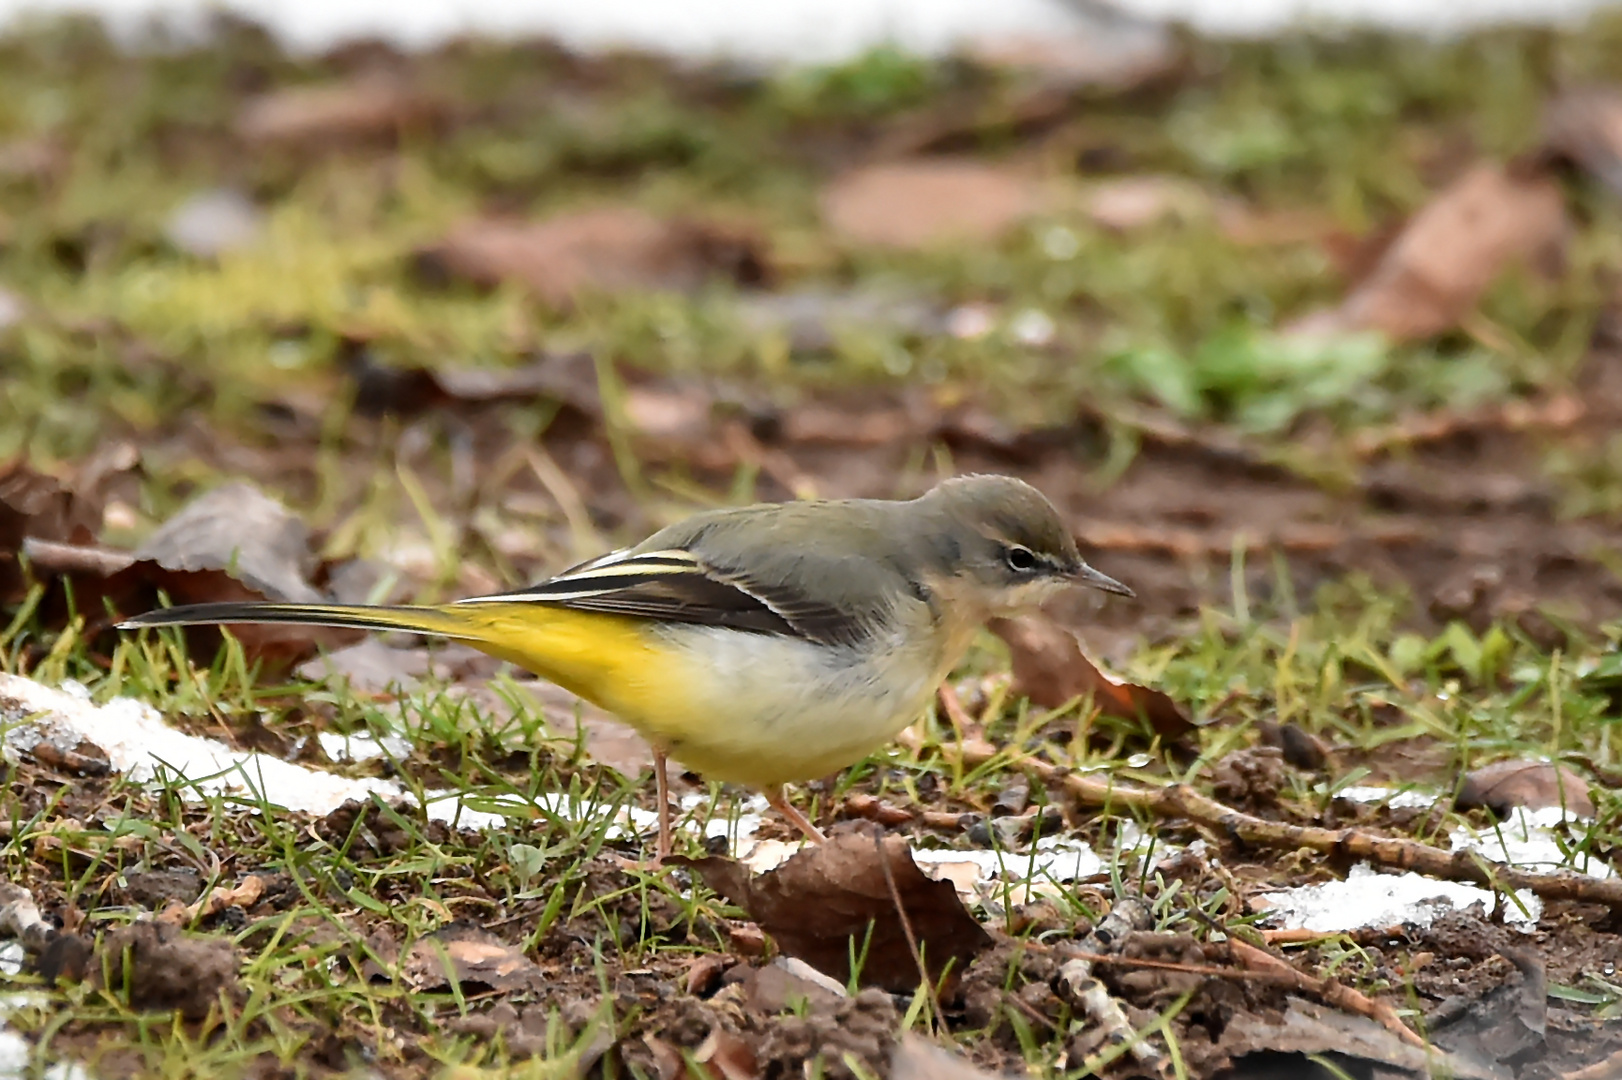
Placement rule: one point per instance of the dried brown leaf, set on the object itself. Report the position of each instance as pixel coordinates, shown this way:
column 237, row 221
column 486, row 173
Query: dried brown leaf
column 365, row 109
column 1050, row 669
column 726, row 1056
column 36, row 506
column 472, row 958
column 1532, row 784
column 569, row 379
column 919, row 204
column 1306, row 1029
column 232, row 543
column 1452, row 251
column 610, row 249
column 819, row 905
column 1556, row 413
column 773, row 988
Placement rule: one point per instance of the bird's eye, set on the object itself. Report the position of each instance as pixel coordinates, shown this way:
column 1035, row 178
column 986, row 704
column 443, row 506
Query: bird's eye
column 1020, row 559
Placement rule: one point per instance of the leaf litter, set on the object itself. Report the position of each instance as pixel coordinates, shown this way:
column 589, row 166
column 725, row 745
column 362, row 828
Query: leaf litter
column 1226, row 507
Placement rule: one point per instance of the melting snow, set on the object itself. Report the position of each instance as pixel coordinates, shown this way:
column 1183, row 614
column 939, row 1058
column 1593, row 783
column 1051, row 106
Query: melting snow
column 1527, row 839
column 1370, row 898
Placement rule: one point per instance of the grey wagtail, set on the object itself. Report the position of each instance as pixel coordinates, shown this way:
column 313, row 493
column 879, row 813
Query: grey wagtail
column 765, row 644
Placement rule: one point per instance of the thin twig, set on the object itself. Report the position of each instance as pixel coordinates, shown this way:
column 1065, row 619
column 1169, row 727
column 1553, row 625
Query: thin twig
column 906, row 928
column 1327, row 990
column 1182, row 801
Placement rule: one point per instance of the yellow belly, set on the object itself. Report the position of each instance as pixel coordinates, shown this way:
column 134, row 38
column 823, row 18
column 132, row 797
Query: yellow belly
column 755, row 709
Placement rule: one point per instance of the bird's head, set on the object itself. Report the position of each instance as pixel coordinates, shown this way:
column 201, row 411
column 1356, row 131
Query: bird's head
column 1001, row 541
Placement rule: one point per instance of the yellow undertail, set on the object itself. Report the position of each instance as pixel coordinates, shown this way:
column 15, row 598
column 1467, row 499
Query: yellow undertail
column 610, row 660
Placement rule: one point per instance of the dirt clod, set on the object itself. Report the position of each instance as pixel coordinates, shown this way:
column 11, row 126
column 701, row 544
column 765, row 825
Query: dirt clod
column 863, row 1027
column 153, row 889
column 166, row 968
column 1251, row 778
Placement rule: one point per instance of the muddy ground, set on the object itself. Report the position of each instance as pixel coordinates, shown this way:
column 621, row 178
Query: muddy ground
column 1315, row 347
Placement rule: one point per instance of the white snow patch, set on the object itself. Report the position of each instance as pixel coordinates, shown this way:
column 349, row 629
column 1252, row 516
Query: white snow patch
column 16, row 1061
column 1369, row 898
column 1012, row 877
column 1527, row 840
column 1397, row 799
column 1530, row 840
column 139, row 744
column 363, row 747
column 784, row 30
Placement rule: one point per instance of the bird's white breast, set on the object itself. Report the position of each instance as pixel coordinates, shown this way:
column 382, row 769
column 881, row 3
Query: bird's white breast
column 764, row 709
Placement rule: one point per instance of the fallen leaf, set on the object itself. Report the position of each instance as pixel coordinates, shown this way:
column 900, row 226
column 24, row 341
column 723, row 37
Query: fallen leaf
column 212, row 223
column 610, row 249
column 231, row 543
column 920, row 204
column 1535, row 785
column 1584, row 125
column 727, row 1056
column 36, row 506
column 819, row 905
column 1050, row 669
column 237, row 528
column 1306, row 1030
column 1557, row 413
column 364, row 109
column 569, row 379
column 670, row 413
column 243, row 895
column 371, row 667
column 705, row 971
column 470, row 957
column 918, row 1058
column 1452, row 251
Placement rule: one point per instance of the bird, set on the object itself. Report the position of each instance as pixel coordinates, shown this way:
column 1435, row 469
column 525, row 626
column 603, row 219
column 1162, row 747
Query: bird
column 762, row 645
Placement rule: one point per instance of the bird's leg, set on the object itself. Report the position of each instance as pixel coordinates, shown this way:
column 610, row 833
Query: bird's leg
column 661, row 784
column 779, row 802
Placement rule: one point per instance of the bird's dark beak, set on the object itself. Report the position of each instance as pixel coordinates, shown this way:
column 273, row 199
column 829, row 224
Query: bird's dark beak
column 1086, row 575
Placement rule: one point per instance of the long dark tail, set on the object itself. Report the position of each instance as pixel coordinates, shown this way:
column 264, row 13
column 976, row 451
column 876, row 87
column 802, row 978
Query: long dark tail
column 421, row 620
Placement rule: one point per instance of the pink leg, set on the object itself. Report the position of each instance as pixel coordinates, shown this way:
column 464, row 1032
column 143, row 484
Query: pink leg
column 777, row 801
column 661, row 784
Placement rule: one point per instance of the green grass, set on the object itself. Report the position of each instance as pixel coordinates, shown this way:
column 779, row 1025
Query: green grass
column 186, row 358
